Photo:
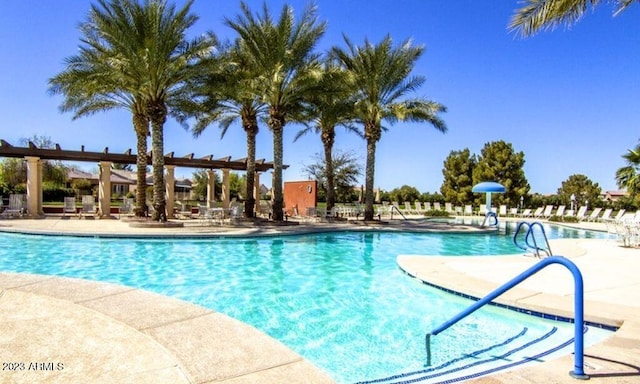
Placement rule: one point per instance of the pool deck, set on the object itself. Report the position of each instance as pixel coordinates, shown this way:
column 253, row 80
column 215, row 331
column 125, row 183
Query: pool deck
column 62, row 330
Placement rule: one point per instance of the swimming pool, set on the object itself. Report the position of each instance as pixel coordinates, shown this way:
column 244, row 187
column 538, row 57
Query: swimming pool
column 338, row 299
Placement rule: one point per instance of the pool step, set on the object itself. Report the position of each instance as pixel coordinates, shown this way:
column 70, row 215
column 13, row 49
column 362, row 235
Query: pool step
column 513, row 352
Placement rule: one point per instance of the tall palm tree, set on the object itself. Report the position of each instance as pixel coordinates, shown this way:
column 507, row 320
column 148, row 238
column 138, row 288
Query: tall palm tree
column 147, row 43
column 224, row 94
column 332, row 106
column 381, row 74
column 90, row 84
column 287, row 70
column 535, row 15
column 629, row 176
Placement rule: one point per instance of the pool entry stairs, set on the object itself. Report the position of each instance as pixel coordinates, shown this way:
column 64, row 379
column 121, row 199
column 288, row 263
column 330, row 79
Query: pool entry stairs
column 517, row 349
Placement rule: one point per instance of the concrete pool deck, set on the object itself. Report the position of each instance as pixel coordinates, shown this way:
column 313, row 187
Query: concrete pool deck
column 70, row 330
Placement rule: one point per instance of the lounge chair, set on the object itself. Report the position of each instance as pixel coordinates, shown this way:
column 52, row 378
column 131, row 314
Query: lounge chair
column 503, row 210
column 606, row 216
column 538, row 212
column 513, row 212
column 448, row 207
column 527, row 212
column 436, row 206
column 16, row 206
column 69, row 206
column 468, row 210
column 418, row 208
column 88, row 206
column 619, row 215
column 594, row 214
column 408, row 209
column 560, row 211
column 427, row 206
column 548, row 211
column 581, row 213
column 483, row 210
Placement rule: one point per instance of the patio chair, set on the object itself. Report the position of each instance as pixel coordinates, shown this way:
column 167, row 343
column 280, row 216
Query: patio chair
column 127, row 206
column 16, row 206
column 468, row 210
column 436, row 206
column 548, row 212
column 606, row 216
column 69, row 206
column 427, row 206
column 88, row 207
column 560, row 211
column 408, row 209
column 503, row 210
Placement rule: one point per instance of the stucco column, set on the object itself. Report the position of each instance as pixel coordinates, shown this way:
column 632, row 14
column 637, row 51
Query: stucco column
column 169, row 182
column 225, row 188
column 40, row 210
column 34, row 186
column 104, row 189
column 211, row 188
column 256, row 192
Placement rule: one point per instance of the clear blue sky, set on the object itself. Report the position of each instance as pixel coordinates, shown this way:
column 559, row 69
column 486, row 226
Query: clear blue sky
column 567, row 98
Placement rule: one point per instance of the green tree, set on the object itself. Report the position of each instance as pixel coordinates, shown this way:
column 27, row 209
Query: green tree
column 500, row 163
column 224, row 94
column 582, row 188
column 535, row 15
column 148, row 55
column 287, row 71
column 404, row 193
column 200, row 182
column 94, row 81
column 381, row 75
column 628, row 177
column 458, row 177
column 327, row 109
column 346, row 171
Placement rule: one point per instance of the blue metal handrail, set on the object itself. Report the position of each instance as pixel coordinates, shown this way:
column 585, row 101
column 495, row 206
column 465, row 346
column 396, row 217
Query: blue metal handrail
column 578, row 365
column 494, row 216
column 530, row 235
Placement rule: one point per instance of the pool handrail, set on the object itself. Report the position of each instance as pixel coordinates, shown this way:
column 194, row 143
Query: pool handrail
column 533, row 247
column 392, row 207
column 578, row 366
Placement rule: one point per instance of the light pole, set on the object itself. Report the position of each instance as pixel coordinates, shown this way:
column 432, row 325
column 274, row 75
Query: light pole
column 573, row 200
column 521, row 202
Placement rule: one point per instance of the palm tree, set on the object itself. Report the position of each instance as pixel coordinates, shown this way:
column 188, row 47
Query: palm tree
column 90, row 84
column 224, row 94
column 381, row 77
column 548, row 14
column 147, row 44
column 629, row 176
column 327, row 109
column 287, row 71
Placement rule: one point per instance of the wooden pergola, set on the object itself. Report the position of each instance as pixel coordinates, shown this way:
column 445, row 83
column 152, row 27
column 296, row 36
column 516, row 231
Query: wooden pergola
column 34, row 156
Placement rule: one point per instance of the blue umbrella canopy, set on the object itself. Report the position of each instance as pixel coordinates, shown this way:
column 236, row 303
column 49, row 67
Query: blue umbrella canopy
column 489, row 186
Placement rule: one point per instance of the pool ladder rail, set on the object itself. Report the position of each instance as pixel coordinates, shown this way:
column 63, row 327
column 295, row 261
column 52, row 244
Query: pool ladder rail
column 578, row 366
column 530, row 242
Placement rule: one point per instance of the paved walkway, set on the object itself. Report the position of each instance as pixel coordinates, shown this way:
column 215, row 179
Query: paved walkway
column 60, row 330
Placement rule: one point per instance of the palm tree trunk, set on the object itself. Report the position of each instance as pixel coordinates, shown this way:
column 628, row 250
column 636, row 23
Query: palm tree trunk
column 250, row 200
column 328, row 138
column 276, row 123
column 370, row 171
column 158, row 115
column 141, row 126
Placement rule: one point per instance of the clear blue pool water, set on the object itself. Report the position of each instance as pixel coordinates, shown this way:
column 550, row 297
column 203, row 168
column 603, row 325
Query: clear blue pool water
column 338, row 299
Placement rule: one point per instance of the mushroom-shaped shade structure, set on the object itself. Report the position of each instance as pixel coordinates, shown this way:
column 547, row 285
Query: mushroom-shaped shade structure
column 489, row 187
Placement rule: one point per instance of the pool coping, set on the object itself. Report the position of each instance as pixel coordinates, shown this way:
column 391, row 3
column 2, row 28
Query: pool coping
column 141, row 336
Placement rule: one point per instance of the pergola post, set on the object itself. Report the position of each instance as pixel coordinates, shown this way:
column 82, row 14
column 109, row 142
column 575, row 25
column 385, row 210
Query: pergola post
column 211, row 188
column 34, row 186
column 104, row 189
column 256, row 193
column 225, row 188
column 40, row 210
column 169, row 188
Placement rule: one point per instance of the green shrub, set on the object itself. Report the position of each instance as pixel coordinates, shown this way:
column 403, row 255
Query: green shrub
column 564, row 219
column 436, row 213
